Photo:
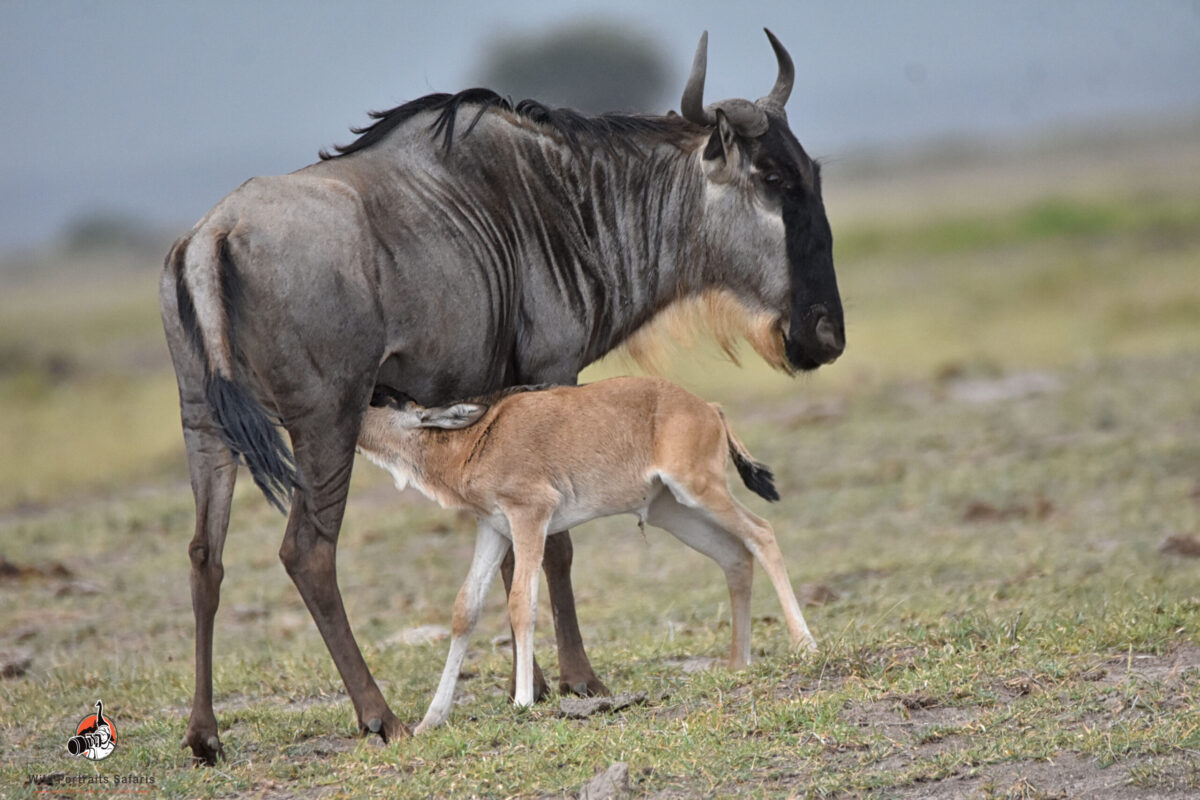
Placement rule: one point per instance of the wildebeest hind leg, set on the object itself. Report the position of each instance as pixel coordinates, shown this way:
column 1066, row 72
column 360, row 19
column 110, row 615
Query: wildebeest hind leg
column 324, row 450
column 213, row 473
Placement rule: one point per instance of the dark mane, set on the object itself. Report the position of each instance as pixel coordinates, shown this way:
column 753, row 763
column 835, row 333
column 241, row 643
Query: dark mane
column 385, row 395
column 491, row 398
column 610, row 130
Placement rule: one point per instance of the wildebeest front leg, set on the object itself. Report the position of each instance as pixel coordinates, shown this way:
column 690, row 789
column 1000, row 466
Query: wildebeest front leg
column 574, row 670
column 309, row 554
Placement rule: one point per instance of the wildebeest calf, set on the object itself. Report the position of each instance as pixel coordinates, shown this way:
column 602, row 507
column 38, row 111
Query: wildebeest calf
column 531, row 462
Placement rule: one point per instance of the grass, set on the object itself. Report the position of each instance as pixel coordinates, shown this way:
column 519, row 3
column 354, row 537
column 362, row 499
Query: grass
column 1150, row 218
column 980, row 487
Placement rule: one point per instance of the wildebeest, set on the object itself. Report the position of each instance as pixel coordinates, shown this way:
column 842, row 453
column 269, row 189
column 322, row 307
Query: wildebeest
column 461, row 244
column 526, row 463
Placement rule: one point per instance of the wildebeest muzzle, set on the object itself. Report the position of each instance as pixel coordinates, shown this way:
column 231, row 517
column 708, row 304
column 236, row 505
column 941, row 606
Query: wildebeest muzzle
column 816, row 336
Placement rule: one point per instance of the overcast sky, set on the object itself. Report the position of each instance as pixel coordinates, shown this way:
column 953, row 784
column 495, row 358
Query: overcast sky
column 157, row 109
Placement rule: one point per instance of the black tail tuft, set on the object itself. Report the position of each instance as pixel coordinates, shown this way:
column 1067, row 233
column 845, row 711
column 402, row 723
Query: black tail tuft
column 248, row 432
column 757, row 476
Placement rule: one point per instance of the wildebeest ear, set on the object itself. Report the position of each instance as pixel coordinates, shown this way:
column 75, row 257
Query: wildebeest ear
column 726, row 132
column 459, row 415
column 723, row 143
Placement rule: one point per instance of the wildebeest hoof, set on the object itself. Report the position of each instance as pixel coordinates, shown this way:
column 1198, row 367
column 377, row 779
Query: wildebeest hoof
column 205, row 750
column 387, row 728
column 592, row 687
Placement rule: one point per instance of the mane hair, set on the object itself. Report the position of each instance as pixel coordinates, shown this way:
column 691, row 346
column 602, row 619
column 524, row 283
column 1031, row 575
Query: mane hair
column 491, row 398
column 610, row 131
column 382, row 391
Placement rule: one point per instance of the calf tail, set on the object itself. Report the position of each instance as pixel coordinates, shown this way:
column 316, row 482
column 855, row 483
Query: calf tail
column 756, row 475
column 207, row 291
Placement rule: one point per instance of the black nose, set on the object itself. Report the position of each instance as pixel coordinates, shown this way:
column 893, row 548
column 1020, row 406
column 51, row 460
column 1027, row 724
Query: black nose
column 819, row 339
column 828, row 333
column 831, row 336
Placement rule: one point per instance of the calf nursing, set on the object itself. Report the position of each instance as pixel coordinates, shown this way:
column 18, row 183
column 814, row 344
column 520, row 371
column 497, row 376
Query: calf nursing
column 534, row 462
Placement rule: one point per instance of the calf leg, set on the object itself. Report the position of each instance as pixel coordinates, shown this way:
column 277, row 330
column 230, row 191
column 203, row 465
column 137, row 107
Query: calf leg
column 528, row 532
column 699, row 533
column 324, row 451
column 490, row 548
column 541, row 689
column 574, row 670
column 759, row 538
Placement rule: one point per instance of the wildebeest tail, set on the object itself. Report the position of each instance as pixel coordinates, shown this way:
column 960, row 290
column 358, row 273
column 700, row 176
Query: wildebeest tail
column 756, row 475
column 247, row 430
column 207, row 290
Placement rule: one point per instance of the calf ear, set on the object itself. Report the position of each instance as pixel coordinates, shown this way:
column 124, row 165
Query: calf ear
column 459, row 415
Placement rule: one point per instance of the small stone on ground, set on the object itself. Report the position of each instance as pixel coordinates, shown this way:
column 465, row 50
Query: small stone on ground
column 608, row 785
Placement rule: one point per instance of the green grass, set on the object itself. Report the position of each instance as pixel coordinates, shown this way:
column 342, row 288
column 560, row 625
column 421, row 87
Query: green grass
column 999, row 602
column 1149, row 218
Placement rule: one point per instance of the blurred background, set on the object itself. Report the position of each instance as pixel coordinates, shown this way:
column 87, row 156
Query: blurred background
column 945, row 128
column 150, row 112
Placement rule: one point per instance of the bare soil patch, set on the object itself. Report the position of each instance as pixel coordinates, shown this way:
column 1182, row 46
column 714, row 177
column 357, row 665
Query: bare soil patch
column 1066, row 775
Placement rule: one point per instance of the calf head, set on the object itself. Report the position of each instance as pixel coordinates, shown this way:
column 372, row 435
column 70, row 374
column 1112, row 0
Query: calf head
column 398, row 411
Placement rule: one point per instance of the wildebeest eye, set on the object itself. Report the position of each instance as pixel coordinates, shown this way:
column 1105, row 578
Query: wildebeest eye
column 772, row 179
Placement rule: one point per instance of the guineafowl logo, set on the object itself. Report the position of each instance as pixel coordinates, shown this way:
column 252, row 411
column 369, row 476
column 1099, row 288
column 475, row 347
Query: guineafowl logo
column 95, row 737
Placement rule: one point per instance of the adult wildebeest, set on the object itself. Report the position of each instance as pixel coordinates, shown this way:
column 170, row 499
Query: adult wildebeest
column 517, row 251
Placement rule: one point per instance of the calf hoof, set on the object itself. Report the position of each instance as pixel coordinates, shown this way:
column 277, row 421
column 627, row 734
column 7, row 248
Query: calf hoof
column 206, row 748
column 541, row 689
column 387, row 727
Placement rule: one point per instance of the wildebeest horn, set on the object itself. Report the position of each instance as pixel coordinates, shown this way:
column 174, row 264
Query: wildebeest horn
column 787, row 75
column 692, row 105
column 745, row 117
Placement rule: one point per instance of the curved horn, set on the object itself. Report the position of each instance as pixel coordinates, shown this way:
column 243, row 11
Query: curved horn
column 787, row 74
column 747, row 118
column 692, row 104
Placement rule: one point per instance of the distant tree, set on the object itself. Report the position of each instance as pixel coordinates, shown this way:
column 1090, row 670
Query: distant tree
column 593, row 67
column 108, row 230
